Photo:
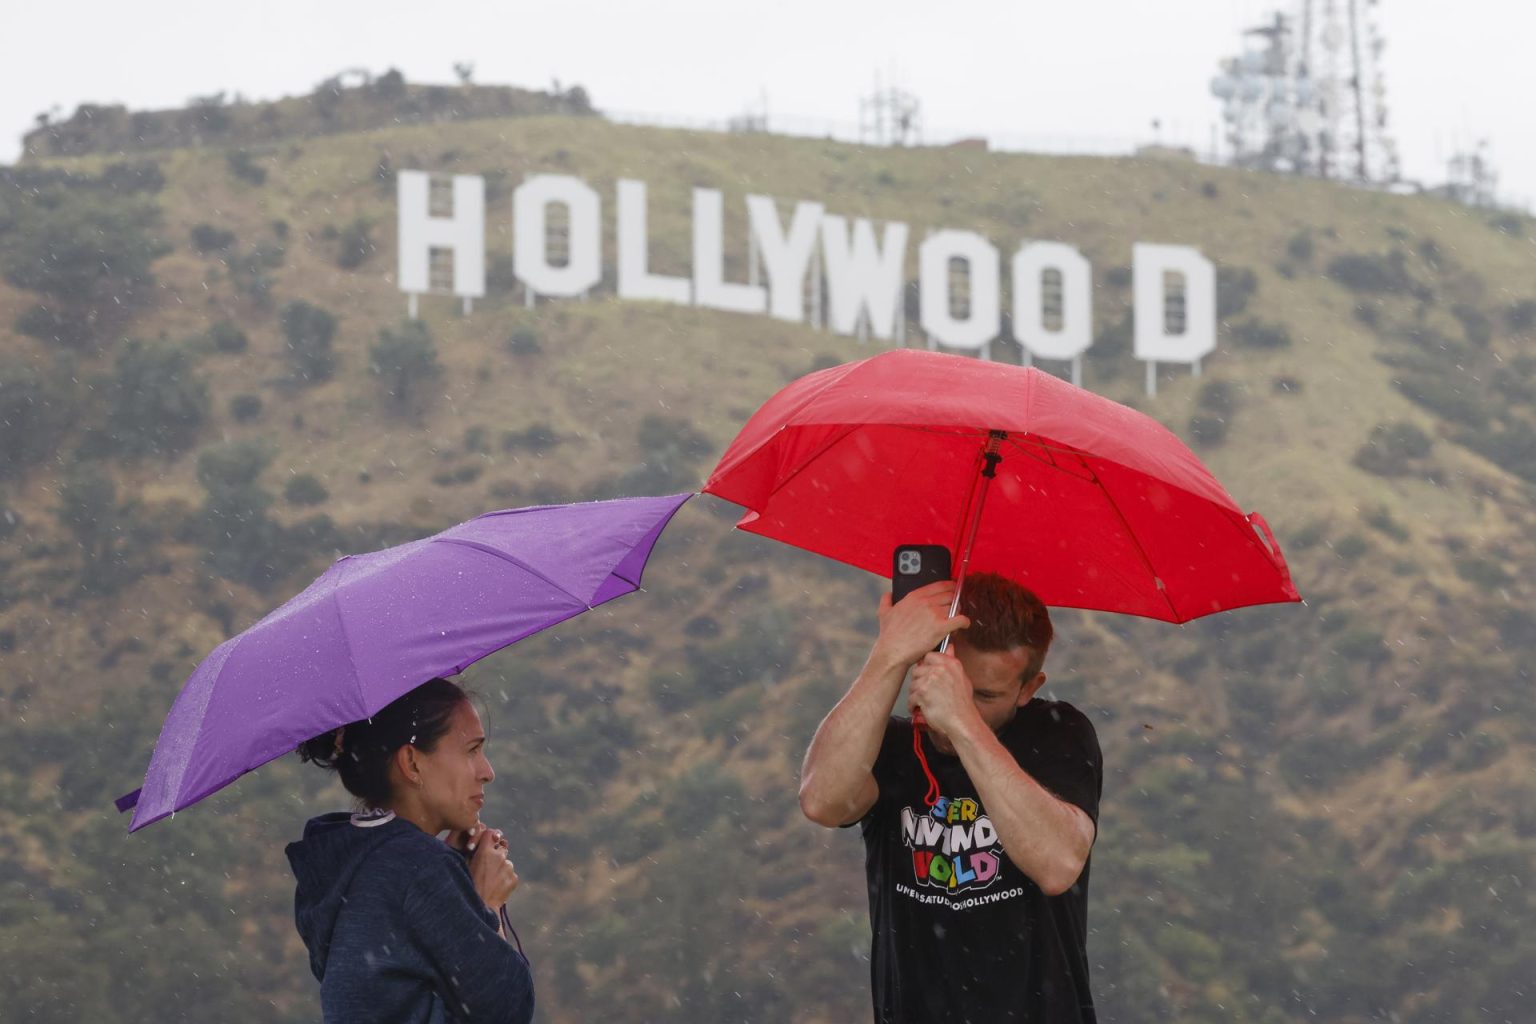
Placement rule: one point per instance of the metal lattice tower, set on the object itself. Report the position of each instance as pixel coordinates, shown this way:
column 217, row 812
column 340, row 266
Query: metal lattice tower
column 891, row 117
column 1307, row 96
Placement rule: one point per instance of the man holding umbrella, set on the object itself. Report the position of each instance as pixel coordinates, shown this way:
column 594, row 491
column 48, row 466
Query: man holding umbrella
column 978, row 884
column 978, row 892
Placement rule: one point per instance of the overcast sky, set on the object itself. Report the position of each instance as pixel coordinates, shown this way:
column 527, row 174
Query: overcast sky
column 1097, row 70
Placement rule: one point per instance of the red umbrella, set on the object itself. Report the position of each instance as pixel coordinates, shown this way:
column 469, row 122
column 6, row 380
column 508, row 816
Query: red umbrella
column 1088, row 503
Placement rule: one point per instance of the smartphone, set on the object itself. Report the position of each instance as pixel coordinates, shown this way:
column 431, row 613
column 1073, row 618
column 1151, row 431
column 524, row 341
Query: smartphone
column 917, row 565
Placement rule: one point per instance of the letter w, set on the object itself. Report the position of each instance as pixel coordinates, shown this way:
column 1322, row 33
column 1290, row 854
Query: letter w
column 863, row 277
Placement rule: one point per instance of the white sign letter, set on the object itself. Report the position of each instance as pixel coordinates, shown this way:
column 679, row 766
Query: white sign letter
column 420, row 232
column 710, row 288
column 530, row 252
column 1075, row 334
column 785, row 259
column 863, row 277
column 635, row 279
column 1154, row 343
column 982, row 322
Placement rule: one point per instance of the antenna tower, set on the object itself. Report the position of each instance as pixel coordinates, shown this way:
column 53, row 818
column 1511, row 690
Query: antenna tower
column 891, row 117
column 1307, row 95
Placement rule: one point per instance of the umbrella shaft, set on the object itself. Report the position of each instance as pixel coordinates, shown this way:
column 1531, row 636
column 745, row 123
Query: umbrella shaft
column 990, row 457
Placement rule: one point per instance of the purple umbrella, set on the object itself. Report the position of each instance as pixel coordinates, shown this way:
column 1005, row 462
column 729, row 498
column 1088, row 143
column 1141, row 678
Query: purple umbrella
column 375, row 626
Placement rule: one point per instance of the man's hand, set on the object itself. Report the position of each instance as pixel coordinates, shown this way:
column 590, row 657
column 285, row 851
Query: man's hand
column 941, row 689
column 914, row 625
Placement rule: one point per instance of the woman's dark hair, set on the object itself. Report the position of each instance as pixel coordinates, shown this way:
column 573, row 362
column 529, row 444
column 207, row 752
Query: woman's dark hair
column 361, row 751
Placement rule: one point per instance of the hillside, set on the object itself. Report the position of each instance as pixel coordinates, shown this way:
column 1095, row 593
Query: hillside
column 1310, row 811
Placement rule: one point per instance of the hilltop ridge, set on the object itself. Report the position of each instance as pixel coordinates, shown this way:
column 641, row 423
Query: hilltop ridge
column 1309, row 811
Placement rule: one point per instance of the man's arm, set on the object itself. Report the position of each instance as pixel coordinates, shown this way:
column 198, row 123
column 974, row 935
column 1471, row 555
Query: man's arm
column 1046, row 837
column 837, row 783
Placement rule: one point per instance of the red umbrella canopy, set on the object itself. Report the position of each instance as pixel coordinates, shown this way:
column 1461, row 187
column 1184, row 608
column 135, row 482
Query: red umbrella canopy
column 1094, row 505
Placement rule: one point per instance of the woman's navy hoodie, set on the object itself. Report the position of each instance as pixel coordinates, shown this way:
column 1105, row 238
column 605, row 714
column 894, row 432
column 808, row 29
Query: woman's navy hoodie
column 395, row 930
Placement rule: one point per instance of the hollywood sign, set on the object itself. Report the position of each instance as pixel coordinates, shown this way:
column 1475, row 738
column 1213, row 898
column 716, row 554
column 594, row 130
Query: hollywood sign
column 820, row 268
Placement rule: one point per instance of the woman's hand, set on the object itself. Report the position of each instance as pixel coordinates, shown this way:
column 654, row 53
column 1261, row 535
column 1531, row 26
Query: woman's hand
column 493, row 875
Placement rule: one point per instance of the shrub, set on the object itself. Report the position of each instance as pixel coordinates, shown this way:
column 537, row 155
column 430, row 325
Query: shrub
column 524, row 342
column 1219, row 397
column 1521, row 316
column 1300, row 248
column 90, row 253
column 1482, row 572
column 250, row 272
column 309, row 331
column 1381, row 519
column 243, row 543
column 1474, row 323
column 670, row 447
column 228, row 338
column 1234, row 287
column 1370, row 272
column 34, row 410
column 207, row 238
column 1392, row 449
column 1207, row 430
column 88, row 508
column 1443, row 395
column 245, row 408
column 354, row 244
column 1351, row 547
column 540, row 437
column 405, row 360
column 305, row 489
column 1258, row 334
column 243, row 166
column 155, row 400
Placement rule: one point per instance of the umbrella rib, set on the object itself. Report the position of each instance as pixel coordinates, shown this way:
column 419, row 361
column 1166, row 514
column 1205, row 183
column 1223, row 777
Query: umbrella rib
column 1135, row 542
column 847, row 429
column 495, row 553
column 346, row 639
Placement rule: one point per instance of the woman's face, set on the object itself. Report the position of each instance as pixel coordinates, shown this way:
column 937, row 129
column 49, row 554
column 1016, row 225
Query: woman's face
column 454, row 774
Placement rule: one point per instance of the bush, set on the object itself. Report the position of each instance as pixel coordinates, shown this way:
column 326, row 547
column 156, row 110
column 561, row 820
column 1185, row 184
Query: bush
column 155, row 400
column 1300, row 248
column 227, row 338
column 1234, row 287
column 243, row 166
column 524, row 342
column 354, row 244
column 90, row 253
column 1258, row 334
column 250, row 272
column 540, row 437
column 305, row 489
column 1393, row 449
column 1370, row 272
column 1521, row 316
column 1207, row 430
column 405, row 360
column 88, row 508
column 309, row 331
column 245, row 407
column 1443, row 395
column 1474, row 323
column 243, row 543
column 207, row 238
column 34, row 410
column 1219, row 397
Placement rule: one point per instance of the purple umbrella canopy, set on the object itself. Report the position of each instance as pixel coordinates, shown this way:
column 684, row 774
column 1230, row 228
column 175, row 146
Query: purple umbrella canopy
column 377, row 625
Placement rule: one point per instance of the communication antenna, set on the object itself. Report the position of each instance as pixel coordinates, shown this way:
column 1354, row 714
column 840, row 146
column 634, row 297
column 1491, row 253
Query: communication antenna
column 753, row 118
column 890, row 117
column 1307, row 95
column 1472, row 178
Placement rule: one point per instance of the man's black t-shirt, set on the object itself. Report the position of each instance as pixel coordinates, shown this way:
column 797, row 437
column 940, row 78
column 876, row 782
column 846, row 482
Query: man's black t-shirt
column 961, row 935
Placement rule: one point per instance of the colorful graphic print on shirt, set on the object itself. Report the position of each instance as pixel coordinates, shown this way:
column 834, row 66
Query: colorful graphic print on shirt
column 954, row 846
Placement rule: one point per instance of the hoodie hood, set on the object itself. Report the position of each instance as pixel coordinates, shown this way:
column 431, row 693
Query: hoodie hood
column 335, row 846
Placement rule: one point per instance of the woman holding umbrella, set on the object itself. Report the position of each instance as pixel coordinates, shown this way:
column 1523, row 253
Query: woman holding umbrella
column 402, row 926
